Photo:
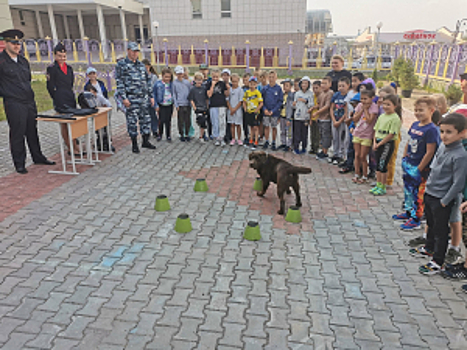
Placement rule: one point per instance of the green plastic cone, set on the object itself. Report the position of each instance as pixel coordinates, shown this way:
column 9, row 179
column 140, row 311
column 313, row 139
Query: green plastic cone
column 252, row 231
column 258, row 185
column 201, row 185
column 183, row 224
column 162, row 203
column 293, row 215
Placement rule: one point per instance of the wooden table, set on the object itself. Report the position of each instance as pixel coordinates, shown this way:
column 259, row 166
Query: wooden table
column 78, row 128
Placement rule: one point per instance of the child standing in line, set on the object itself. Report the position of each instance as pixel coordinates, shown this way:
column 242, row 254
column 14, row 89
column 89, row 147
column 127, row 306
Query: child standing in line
column 164, row 102
column 418, row 154
column 199, row 100
column 296, row 84
column 339, row 114
column 314, row 128
column 324, row 117
column 303, row 103
column 387, row 130
column 447, row 179
column 235, row 114
column 252, row 104
column 246, row 81
column 287, row 116
column 263, row 81
column 273, row 98
column 225, row 75
column 181, row 89
column 218, row 107
column 365, row 120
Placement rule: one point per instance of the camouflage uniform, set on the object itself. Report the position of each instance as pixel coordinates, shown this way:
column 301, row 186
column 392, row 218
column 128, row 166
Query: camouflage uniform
column 134, row 84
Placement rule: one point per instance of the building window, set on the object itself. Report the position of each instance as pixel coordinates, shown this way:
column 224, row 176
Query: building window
column 196, row 6
column 225, row 9
column 21, row 18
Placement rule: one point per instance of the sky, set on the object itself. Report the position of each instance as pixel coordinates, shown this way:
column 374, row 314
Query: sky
column 348, row 16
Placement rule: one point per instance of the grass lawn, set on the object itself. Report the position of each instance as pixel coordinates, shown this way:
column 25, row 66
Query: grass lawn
column 43, row 100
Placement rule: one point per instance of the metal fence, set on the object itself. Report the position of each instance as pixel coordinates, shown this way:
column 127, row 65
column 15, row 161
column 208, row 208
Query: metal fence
column 432, row 61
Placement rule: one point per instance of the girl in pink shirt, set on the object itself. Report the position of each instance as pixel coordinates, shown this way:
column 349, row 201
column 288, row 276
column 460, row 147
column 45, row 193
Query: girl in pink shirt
column 364, row 119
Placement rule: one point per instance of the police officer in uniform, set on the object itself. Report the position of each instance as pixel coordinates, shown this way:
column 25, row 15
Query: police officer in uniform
column 18, row 100
column 60, row 80
column 135, row 88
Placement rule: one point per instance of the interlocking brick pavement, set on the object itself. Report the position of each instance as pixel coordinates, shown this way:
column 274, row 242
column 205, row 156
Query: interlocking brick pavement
column 89, row 264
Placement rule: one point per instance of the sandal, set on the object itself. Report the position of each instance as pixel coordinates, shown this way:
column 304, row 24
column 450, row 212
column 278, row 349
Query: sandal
column 356, row 179
column 362, row 180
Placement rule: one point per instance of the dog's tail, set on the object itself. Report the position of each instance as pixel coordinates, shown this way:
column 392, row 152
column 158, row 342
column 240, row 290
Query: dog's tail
column 299, row 170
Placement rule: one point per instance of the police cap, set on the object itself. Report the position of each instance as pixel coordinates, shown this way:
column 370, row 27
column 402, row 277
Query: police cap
column 59, row 48
column 133, row 46
column 12, row 35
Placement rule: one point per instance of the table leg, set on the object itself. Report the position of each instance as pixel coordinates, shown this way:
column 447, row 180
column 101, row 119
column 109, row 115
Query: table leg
column 62, row 150
column 72, row 151
column 109, row 132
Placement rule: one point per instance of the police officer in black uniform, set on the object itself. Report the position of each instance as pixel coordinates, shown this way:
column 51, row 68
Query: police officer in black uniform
column 18, row 100
column 60, row 80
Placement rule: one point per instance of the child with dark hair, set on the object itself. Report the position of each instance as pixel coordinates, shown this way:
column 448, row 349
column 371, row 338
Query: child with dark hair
column 447, row 179
column 339, row 114
column 387, row 130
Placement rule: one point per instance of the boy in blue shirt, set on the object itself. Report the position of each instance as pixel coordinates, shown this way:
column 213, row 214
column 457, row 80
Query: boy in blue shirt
column 339, row 114
column 273, row 98
column 418, row 154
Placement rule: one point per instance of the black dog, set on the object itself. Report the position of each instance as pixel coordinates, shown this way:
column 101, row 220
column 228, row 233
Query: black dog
column 280, row 172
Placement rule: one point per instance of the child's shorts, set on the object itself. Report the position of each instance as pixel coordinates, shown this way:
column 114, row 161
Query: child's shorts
column 270, row 121
column 383, row 156
column 252, row 119
column 201, row 117
column 456, row 215
column 363, row 142
column 325, row 133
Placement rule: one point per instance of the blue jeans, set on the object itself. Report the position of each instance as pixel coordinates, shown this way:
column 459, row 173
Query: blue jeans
column 154, row 120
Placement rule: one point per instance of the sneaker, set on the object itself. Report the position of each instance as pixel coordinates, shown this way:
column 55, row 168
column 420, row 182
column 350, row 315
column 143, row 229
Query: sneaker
column 240, row 143
column 380, row 191
column 372, row 174
column 411, row 224
column 420, row 252
column 159, row 138
column 245, row 141
column 211, row 137
column 217, row 143
column 303, row 151
column 201, row 139
column 452, row 267
column 459, row 273
column 332, row 159
column 464, row 288
column 453, row 256
column 182, row 139
column 286, row 149
column 322, row 156
column 374, row 189
column 253, row 147
column 273, row 146
column 336, row 161
column 187, row 139
column 431, row 268
column 417, row 241
column 169, row 139
column 296, row 151
column 401, row 217
column 232, row 143
column 223, row 143
column 266, row 145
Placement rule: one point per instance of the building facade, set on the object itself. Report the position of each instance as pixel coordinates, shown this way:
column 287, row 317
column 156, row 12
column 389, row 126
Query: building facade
column 5, row 18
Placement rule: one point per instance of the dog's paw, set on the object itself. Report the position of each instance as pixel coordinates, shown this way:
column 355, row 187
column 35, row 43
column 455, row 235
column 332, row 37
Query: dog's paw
column 280, row 212
column 260, row 194
column 298, row 204
column 288, row 191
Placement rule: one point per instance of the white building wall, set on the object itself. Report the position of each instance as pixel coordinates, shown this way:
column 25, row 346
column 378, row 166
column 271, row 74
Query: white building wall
column 248, row 17
column 5, row 18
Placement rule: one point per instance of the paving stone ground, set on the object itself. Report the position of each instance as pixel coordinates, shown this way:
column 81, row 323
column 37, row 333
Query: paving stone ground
column 90, row 265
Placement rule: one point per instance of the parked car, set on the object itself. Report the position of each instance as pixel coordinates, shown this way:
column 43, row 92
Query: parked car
column 386, row 62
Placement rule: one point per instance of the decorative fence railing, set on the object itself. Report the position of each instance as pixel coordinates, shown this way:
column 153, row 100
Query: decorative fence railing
column 433, row 60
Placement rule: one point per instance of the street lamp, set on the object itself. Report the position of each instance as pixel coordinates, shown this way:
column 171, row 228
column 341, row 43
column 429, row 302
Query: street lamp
column 155, row 24
column 458, row 28
column 379, row 25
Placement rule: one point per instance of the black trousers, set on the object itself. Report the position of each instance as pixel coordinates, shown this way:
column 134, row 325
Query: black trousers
column 21, row 118
column 165, row 119
column 184, row 120
column 300, row 134
column 437, row 219
column 209, row 124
